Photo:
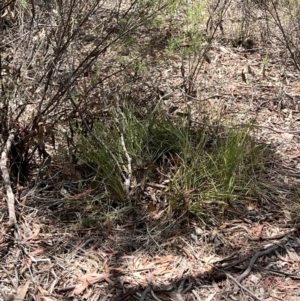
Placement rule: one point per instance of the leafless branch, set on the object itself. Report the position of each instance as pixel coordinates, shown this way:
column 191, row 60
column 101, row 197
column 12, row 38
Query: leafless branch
column 6, row 179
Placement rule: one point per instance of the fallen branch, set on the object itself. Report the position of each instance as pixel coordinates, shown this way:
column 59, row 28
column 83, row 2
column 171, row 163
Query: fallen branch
column 267, row 251
column 6, row 179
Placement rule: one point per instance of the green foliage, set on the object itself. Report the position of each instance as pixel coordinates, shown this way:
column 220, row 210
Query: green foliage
column 148, row 138
column 226, row 171
column 207, row 170
column 189, row 28
column 24, row 5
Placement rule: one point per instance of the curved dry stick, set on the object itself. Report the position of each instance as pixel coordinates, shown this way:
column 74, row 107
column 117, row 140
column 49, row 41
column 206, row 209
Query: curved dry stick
column 6, row 179
column 253, row 260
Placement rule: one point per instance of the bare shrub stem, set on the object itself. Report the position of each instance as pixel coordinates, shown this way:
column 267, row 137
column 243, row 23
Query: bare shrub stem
column 6, row 179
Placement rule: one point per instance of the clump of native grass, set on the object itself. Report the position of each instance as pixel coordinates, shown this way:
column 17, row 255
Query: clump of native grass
column 198, row 167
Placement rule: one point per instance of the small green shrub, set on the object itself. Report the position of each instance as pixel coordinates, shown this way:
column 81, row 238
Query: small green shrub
column 207, row 170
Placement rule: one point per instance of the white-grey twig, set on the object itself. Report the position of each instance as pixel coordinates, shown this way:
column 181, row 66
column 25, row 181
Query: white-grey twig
column 6, row 179
column 127, row 179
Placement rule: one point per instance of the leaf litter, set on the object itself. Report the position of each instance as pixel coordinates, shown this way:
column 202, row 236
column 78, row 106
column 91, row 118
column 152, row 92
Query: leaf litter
column 156, row 256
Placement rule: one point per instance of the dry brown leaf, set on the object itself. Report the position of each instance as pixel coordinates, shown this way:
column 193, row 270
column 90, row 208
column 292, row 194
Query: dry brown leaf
column 2, row 195
column 185, row 44
column 95, row 277
column 48, row 299
column 288, row 137
column 10, row 297
column 89, row 279
column 146, row 263
column 140, row 278
column 209, row 258
column 149, row 266
column 35, row 234
column 37, row 252
column 284, row 287
column 158, row 215
column 293, row 255
column 43, row 291
column 80, row 288
column 22, row 291
column 81, row 195
column 161, row 271
column 257, row 231
column 293, row 154
column 151, row 207
column 23, row 200
column 29, row 261
column 164, row 259
column 78, row 175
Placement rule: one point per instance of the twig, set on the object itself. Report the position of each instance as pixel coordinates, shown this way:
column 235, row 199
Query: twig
column 144, row 294
column 159, row 102
column 253, row 260
column 154, row 296
column 5, row 298
column 278, row 273
column 241, row 286
column 33, row 259
column 127, row 180
column 65, row 289
column 55, row 281
column 152, row 237
column 5, row 173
